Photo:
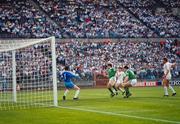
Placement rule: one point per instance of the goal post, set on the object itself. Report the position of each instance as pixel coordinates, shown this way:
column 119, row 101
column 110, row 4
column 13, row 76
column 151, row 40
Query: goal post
column 53, row 48
column 14, row 75
column 28, row 75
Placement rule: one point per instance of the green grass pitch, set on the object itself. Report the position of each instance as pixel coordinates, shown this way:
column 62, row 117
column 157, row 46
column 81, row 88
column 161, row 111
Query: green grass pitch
column 146, row 106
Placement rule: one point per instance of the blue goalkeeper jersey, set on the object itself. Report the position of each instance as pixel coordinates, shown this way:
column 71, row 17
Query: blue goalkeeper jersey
column 67, row 76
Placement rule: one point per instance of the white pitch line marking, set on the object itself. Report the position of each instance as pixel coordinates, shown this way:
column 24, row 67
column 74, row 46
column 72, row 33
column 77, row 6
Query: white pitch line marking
column 120, row 114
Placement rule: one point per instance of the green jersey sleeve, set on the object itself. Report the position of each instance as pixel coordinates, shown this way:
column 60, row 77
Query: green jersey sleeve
column 111, row 72
column 130, row 74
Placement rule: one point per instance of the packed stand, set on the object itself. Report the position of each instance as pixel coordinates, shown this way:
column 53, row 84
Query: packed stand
column 94, row 19
column 163, row 22
column 34, row 64
column 20, row 18
column 171, row 3
column 137, row 3
column 87, row 19
column 143, row 57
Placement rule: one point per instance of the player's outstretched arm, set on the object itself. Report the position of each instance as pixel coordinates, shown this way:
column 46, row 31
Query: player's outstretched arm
column 73, row 75
column 77, row 76
column 173, row 65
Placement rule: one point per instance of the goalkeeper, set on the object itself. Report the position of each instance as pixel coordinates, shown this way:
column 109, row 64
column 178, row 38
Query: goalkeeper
column 67, row 76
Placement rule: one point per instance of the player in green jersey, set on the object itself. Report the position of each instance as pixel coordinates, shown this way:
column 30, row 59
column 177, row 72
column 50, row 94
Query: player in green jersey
column 111, row 72
column 129, row 80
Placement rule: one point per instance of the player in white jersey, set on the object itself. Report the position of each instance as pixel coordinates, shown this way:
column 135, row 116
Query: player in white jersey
column 119, row 79
column 167, row 76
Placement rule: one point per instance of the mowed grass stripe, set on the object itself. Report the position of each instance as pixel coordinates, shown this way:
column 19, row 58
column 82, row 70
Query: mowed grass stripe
column 146, row 102
column 119, row 114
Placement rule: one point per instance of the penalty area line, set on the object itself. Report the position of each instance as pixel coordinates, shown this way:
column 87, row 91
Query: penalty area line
column 120, row 114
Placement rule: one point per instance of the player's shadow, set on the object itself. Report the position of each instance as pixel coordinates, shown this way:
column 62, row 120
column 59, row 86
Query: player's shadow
column 153, row 98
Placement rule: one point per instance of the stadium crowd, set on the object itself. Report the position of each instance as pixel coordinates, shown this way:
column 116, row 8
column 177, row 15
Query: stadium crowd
column 90, row 19
column 88, row 58
column 21, row 19
column 98, row 20
column 163, row 22
column 86, row 19
column 171, row 3
column 143, row 57
column 137, row 3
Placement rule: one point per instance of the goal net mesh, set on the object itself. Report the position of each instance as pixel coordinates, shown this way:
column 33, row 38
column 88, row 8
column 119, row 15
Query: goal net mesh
column 26, row 74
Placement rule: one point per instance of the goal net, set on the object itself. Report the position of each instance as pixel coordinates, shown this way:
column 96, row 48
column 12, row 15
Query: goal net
column 27, row 73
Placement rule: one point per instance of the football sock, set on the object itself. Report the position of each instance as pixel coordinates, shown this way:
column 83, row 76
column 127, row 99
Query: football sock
column 66, row 92
column 110, row 90
column 127, row 90
column 76, row 93
column 121, row 89
column 165, row 91
column 115, row 88
column 172, row 89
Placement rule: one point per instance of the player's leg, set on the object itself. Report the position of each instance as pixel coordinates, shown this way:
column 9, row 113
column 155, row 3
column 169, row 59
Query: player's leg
column 109, row 86
column 165, row 85
column 113, row 83
column 68, row 85
column 65, row 93
column 129, row 84
column 171, row 88
column 126, row 88
column 76, row 93
column 119, row 86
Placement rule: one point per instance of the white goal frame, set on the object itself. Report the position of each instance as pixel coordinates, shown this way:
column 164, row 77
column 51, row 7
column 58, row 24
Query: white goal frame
column 13, row 45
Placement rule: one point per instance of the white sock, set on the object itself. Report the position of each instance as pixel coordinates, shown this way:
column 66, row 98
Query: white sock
column 114, row 91
column 172, row 89
column 165, row 91
column 76, row 93
column 121, row 89
column 66, row 92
